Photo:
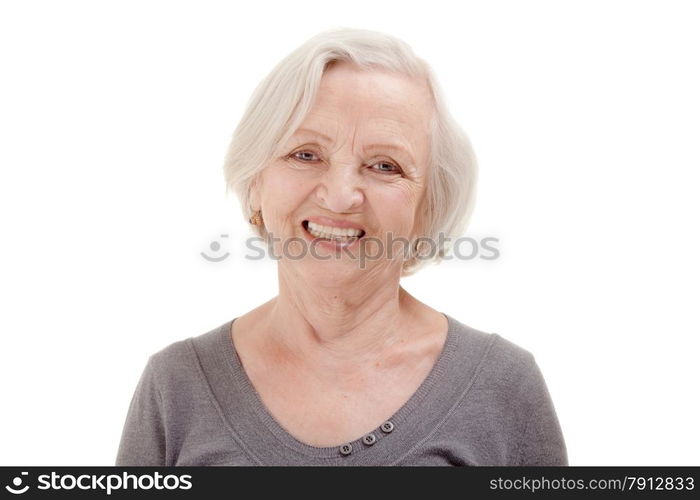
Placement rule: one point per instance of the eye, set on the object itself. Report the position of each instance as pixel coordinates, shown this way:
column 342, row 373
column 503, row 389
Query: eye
column 304, row 155
column 387, row 167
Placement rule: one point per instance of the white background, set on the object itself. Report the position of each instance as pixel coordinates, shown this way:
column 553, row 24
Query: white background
column 585, row 116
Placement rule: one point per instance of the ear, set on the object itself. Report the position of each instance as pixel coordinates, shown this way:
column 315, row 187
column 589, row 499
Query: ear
column 254, row 195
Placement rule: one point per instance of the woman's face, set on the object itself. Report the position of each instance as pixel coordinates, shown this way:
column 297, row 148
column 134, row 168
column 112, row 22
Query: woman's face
column 359, row 157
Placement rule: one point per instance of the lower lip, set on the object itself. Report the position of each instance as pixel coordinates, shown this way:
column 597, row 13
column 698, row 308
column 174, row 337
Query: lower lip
column 330, row 244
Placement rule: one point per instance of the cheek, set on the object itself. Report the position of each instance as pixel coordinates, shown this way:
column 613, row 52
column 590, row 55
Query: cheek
column 282, row 189
column 396, row 205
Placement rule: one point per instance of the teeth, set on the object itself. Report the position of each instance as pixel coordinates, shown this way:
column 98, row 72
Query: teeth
column 332, row 232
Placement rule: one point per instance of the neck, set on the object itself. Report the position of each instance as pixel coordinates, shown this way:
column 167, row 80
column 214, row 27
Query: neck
column 344, row 321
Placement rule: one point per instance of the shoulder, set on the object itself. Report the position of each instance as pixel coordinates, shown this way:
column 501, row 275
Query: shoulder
column 508, row 387
column 179, row 362
column 499, row 362
column 501, row 351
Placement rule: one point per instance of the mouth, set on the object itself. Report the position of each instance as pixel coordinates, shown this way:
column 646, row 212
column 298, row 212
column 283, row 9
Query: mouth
column 342, row 237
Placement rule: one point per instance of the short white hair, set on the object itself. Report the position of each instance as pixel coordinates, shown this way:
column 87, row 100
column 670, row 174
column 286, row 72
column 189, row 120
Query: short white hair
column 282, row 100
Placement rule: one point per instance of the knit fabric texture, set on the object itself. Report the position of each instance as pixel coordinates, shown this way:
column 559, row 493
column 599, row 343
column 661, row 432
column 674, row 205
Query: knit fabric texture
column 485, row 402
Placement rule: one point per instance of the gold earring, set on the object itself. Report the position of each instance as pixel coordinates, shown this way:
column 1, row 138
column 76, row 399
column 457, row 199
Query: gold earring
column 256, row 219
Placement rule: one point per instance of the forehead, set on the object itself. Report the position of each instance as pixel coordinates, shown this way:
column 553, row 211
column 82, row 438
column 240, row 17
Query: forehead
column 372, row 104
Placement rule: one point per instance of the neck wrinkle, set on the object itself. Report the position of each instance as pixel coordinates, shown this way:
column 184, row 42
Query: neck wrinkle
column 336, row 324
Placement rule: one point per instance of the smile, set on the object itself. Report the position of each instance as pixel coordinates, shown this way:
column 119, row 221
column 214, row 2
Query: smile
column 333, row 236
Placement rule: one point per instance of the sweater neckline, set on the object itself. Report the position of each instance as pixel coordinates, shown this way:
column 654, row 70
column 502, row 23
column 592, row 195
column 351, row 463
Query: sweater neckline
column 262, row 432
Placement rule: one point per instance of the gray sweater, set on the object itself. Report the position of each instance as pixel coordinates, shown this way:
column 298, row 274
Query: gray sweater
column 485, row 402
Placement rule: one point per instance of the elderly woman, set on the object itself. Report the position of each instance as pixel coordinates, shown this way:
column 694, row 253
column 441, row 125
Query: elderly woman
column 345, row 144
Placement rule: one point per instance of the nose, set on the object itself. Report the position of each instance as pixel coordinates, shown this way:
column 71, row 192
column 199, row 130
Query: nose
column 340, row 188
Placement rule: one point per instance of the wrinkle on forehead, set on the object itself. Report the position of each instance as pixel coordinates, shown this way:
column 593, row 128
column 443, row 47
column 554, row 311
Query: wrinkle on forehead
column 366, row 106
column 378, row 90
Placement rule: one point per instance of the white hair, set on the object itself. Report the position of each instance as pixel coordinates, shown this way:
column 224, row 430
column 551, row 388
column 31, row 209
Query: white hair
column 282, row 100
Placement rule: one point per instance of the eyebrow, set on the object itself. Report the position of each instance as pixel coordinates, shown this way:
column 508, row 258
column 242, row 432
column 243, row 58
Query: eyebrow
column 394, row 147
column 313, row 132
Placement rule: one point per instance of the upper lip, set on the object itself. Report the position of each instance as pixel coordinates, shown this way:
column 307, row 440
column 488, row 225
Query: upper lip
column 327, row 221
